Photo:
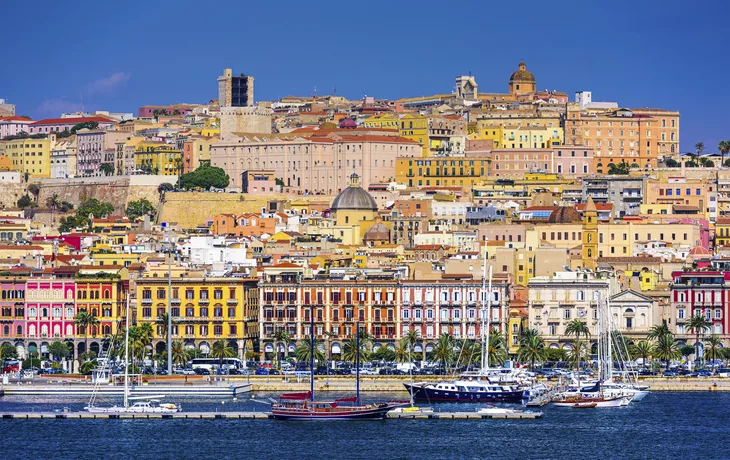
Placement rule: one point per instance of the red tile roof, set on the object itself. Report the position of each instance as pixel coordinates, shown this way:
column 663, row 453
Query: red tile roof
column 599, row 206
column 15, row 118
column 71, row 121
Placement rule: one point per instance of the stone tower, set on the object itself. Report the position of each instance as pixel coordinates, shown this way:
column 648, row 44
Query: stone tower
column 589, row 252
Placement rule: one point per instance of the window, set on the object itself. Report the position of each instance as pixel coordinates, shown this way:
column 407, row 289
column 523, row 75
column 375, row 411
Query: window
column 566, row 314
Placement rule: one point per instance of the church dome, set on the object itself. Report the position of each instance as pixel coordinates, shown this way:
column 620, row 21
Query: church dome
column 564, row 215
column 377, row 232
column 5, row 163
column 354, row 198
column 348, row 123
column 522, row 74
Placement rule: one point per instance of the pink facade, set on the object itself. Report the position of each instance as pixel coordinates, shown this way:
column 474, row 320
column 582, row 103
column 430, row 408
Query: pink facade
column 51, row 125
column 573, row 160
column 50, row 309
column 90, row 153
column 12, row 126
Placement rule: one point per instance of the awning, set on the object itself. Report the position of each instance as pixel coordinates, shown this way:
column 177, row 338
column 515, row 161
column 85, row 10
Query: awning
column 296, row 396
column 350, row 400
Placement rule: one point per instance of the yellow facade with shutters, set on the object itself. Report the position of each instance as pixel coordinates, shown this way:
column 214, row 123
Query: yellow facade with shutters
column 203, row 310
column 157, row 158
column 30, row 156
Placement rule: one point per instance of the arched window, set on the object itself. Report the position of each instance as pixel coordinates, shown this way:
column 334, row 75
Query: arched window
column 6, row 330
column 19, row 331
column 107, row 294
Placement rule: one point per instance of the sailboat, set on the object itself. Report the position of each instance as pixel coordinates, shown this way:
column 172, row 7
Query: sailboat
column 302, row 406
column 145, row 404
column 479, row 387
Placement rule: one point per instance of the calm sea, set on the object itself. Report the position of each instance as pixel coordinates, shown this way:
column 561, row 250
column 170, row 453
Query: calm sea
column 663, row 425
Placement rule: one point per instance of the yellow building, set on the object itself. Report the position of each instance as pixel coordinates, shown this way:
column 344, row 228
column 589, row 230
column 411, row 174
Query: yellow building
column 520, row 133
column 158, row 158
column 441, row 171
column 354, row 211
column 203, row 310
column 722, row 231
column 109, row 257
column 384, row 121
column 31, row 156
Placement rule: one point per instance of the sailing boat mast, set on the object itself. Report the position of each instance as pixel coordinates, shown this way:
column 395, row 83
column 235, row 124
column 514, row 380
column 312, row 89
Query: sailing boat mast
column 357, row 364
column 311, row 355
column 484, row 325
column 126, row 357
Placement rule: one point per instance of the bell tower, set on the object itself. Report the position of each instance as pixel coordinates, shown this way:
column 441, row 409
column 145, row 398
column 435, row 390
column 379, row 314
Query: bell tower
column 589, row 252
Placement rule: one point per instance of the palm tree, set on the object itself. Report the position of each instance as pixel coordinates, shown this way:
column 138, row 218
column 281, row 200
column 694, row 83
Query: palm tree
column 713, row 350
column 532, row 348
column 349, row 350
column 497, row 348
column 698, row 324
column 86, row 320
column 666, row 349
column 161, row 321
column 179, row 356
column 221, row 349
column 402, row 351
column 443, row 352
column 658, row 331
column 700, row 147
column 281, row 337
column 578, row 329
column 303, row 350
column 53, row 204
column 724, row 148
column 642, row 350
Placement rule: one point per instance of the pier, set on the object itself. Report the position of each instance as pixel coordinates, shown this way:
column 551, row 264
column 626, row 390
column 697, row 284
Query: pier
column 246, row 416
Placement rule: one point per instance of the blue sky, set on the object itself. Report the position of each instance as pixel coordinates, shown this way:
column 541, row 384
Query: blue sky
column 118, row 56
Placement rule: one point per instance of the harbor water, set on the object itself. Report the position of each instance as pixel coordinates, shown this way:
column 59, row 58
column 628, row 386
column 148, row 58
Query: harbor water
column 664, row 425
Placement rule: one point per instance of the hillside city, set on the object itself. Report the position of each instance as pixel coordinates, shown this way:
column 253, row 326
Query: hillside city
column 243, row 221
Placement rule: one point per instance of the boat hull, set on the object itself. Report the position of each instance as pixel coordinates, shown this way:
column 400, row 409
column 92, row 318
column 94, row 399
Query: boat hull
column 422, row 393
column 364, row 413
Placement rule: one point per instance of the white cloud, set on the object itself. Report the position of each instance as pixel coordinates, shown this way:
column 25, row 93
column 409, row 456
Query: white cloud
column 57, row 106
column 108, row 84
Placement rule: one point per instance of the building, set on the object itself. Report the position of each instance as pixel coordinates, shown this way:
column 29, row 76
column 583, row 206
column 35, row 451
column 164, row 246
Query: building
column 31, row 156
column 203, row 310
column 51, row 125
column 64, row 158
column 633, row 314
column 309, row 164
column 90, row 152
column 258, row 182
column 12, row 308
column 354, row 212
column 235, row 91
column 196, row 152
column 699, row 293
column 626, row 193
column 556, row 300
column 441, row 171
column 6, row 109
column 157, row 158
column 13, row 126
column 239, row 121
column 686, row 195
column 635, row 136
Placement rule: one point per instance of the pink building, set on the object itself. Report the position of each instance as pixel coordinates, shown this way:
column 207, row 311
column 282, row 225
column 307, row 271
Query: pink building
column 90, row 153
column 49, row 311
column 12, row 126
column 573, row 160
column 50, row 125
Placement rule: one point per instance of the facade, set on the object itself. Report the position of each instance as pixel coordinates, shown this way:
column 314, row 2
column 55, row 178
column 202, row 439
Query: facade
column 387, row 309
column 203, row 309
column 556, row 300
column 258, row 182
column 441, row 171
column 90, row 153
column 624, row 192
column 196, row 152
column 157, row 158
column 700, row 292
column 313, row 165
column 633, row 314
column 244, row 120
column 235, row 91
column 31, row 156
column 64, row 157
column 50, row 307
column 637, row 136
column 57, row 125
column 12, row 309
column 12, row 126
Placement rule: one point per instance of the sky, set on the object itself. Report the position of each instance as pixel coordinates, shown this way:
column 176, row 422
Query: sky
column 670, row 54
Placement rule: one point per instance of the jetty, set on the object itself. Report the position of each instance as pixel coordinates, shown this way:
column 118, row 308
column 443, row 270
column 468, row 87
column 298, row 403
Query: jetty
column 80, row 389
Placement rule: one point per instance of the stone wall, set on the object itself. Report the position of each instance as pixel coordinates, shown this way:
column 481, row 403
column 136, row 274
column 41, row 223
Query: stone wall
column 10, row 195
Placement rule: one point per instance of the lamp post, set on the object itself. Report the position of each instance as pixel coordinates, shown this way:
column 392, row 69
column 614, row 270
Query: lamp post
column 169, row 252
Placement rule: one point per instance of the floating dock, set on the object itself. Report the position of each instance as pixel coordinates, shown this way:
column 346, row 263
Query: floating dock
column 245, row 416
column 235, row 388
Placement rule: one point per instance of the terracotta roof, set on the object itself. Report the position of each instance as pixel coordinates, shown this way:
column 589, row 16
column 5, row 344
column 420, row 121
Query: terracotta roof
column 286, row 265
column 540, row 208
column 643, row 259
column 13, row 247
column 599, row 206
column 71, row 121
column 15, row 118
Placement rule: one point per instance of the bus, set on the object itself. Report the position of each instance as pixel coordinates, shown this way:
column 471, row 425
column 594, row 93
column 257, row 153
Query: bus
column 211, row 363
column 10, row 366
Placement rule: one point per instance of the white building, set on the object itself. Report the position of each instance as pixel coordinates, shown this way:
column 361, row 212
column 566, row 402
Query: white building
column 208, row 250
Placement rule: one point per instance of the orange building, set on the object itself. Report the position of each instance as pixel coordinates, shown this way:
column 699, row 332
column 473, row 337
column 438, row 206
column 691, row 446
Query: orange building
column 248, row 224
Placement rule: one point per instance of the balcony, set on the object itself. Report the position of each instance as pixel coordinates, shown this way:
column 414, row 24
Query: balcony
column 232, row 302
column 204, row 302
column 147, row 302
column 175, row 302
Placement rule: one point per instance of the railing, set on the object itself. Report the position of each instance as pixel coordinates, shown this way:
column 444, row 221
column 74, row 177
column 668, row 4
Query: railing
column 232, row 302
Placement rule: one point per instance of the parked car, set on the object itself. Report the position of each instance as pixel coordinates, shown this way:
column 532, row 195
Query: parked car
column 646, row 372
column 262, row 371
column 669, row 373
column 183, row 371
column 274, row 372
column 723, row 372
column 201, row 371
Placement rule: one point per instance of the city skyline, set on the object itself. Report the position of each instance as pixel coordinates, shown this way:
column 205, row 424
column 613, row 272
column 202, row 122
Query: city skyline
column 394, row 59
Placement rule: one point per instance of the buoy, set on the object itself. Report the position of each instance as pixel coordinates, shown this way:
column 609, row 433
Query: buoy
column 223, row 402
column 235, row 399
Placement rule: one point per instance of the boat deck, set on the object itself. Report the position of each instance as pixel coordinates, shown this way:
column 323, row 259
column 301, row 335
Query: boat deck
column 243, row 416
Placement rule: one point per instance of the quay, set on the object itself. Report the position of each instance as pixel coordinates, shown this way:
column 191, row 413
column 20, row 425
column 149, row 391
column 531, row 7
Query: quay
column 246, row 416
column 80, row 389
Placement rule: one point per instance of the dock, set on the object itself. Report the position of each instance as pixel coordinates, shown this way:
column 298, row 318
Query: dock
column 80, row 389
column 245, row 416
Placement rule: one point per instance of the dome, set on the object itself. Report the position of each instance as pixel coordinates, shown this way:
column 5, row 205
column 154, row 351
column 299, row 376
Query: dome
column 700, row 251
column 564, row 215
column 522, row 74
column 377, row 232
column 348, row 123
column 354, row 198
column 5, row 163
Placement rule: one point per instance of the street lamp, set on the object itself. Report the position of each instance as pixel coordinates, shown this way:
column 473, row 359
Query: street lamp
column 169, row 251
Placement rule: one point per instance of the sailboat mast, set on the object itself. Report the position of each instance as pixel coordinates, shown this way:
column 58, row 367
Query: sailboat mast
column 357, row 363
column 410, row 370
column 126, row 357
column 311, row 355
column 489, row 313
column 482, row 328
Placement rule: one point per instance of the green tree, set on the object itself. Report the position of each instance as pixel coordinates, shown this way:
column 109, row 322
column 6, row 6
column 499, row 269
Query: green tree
column 281, row 337
column 698, row 324
column 578, row 353
column 165, row 187
column 205, row 177
column 90, row 207
column 577, row 328
column 26, row 201
column 497, row 348
column 161, row 322
column 724, row 148
column 686, row 351
column 443, row 352
column 532, row 348
column 53, row 203
column 107, row 169
column 8, row 351
column 670, row 163
column 179, row 356
column 136, row 209
column 622, row 168
column 303, row 350
column 666, row 349
column 700, row 148
column 642, row 350
column 349, row 350
column 556, row 354
column 85, row 321
column 713, row 349
column 59, row 350
column 221, row 349
column 383, row 354
column 658, row 331
column 91, row 125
